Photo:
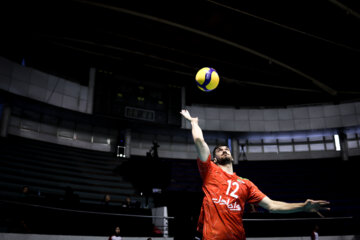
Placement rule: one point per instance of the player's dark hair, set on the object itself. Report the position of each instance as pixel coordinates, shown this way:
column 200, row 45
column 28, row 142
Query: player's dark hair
column 215, row 148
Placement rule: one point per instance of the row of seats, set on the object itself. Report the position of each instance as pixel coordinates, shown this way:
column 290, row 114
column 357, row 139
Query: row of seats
column 49, row 168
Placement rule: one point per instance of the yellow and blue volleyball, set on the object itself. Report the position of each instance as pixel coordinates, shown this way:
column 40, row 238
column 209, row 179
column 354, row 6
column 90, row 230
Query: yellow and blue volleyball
column 207, row 79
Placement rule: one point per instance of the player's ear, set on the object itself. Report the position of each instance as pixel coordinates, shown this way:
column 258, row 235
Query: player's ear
column 214, row 160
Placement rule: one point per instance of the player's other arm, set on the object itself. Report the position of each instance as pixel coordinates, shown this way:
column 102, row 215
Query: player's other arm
column 284, row 207
column 201, row 147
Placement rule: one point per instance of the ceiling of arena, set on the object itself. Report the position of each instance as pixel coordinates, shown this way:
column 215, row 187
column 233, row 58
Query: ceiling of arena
column 267, row 53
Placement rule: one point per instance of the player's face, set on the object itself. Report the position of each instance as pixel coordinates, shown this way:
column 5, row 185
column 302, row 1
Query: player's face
column 223, row 155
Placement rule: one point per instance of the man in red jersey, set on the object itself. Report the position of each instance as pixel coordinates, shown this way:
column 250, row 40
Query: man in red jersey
column 226, row 193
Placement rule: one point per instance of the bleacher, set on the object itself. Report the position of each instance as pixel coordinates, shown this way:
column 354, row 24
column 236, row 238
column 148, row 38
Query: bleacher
column 49, row 168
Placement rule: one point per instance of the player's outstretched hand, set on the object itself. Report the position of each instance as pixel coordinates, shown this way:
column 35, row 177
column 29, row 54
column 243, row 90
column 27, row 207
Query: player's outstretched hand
column 187, row 115
column 316, row 205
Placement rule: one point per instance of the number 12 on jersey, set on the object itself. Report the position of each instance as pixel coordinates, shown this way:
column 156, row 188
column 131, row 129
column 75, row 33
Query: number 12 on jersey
column 232, row 194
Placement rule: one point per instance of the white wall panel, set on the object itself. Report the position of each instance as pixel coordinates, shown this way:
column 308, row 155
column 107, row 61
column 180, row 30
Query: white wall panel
column 71, row 89
column 226, row 114
column 301, row 113
column 349, row 120
column 257, row 125
column 52, row 82
column 84, row 93
column 286, row 125
column 242, row 126
column 197, row 111
column 19, row 87
column 302, row 124
column 70, row 102
column 212, row 124
column 255, row 114
column 32, row 83
column 82, row 105
column 272, row 126
column 316, row 112
column 285, row 114
column 60, row 86
column 347, row 109
column 317, row 123
column 332, row 122
column 241, row 114
column 357, row 107
column 331, row 110
column 212, row 113
column 54, row 98
column 5, row 82
column 37, row 93
column 271, row 114
column 38, row 78
column 227, row 125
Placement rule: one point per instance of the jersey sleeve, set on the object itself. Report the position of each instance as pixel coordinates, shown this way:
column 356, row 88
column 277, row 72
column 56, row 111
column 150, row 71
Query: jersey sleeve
column 204, row 167
column 255, row 195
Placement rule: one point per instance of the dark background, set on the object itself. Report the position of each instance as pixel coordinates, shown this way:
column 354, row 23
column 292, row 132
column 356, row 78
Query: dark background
column 268, row 54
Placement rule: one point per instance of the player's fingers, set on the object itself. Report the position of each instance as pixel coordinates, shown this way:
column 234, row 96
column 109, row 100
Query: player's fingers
column 183, row 112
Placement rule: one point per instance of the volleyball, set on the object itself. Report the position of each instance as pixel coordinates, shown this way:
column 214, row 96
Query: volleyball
column 207, row 79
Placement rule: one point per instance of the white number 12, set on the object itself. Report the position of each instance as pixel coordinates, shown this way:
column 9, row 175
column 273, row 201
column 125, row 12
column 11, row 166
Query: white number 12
column 235, row 190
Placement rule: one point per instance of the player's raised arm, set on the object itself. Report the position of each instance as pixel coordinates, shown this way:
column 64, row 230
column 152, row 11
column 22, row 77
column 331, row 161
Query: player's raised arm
column 201, row 146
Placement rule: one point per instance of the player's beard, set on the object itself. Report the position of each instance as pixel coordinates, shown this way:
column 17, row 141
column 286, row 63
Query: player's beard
column 224, row 160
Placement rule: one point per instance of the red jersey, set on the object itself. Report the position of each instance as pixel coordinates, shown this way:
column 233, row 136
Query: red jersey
column 224, row 201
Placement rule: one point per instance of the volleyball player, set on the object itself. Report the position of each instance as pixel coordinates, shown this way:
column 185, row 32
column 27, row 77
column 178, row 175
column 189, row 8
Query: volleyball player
column 226, row 193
